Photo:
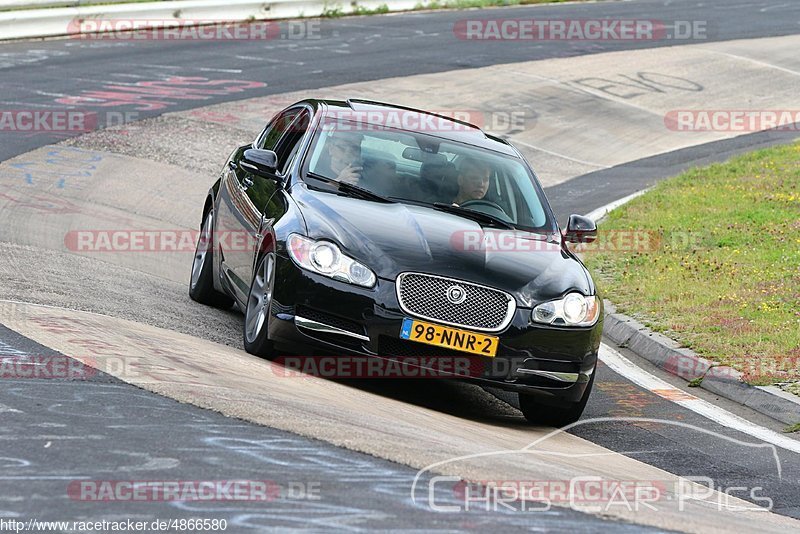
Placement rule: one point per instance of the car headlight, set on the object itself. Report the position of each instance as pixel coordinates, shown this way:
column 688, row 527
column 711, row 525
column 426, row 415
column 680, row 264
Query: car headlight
column 325, row 258
column 573, row 310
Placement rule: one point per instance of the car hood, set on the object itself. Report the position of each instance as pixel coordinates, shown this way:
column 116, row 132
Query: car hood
column 395, row 238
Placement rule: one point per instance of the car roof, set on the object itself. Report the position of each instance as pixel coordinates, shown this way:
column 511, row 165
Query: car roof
column 381, row 114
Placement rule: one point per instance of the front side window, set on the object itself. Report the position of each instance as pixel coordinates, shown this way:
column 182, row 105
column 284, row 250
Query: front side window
column 289, row 144
column 269, row 138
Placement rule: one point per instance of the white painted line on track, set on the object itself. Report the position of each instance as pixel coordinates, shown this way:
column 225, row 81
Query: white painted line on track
column 626, row 368
column 769, row 8
column 562, row 156
column 602, row 211
column 756, row 61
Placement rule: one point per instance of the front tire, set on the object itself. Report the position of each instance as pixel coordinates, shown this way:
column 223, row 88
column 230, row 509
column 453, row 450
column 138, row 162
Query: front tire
column 258, row 311
column 201, row 283
column 557, row 416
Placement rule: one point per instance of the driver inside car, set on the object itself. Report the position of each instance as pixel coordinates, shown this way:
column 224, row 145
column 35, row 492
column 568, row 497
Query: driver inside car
column 344, row 158
column 346, row 164
column 473, row 180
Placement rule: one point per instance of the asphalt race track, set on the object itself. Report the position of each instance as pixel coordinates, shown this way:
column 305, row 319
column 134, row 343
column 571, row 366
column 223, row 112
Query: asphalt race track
column 344, row 454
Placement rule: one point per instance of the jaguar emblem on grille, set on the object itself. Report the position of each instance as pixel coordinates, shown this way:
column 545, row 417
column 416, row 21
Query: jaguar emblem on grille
column 456, row 294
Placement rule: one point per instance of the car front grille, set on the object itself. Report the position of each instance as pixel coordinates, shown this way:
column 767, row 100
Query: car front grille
column 476, row 307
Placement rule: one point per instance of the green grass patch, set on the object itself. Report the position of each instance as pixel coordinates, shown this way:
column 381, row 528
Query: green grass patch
column 792, row 428
column 721, row 269
column 337, row 9
column 695, row 382
column 465, row 4
column 792, row 387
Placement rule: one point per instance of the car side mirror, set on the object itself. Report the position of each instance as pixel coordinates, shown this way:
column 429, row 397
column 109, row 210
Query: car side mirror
column 259, row 161
column 580, row 229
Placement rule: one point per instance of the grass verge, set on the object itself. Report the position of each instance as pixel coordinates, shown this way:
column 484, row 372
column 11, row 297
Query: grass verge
column 336, row 9
column 713, row 261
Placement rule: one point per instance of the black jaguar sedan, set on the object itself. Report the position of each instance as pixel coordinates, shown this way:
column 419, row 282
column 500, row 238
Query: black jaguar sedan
column 362, row 229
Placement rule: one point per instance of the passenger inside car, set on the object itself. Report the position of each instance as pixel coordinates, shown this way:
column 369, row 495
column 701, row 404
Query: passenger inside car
column 379, row 175
column 344, row 159
column 437, row 181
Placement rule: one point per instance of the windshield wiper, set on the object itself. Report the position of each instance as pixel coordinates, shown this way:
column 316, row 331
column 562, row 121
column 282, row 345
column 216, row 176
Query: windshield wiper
column 474, row 215
column 351, row 190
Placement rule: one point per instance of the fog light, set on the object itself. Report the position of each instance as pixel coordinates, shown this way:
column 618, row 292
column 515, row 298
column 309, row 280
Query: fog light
column 361, row 275
column 544, row 313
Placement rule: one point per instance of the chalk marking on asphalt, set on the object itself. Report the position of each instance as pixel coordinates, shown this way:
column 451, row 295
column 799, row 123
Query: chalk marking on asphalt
column 587, row 91
column 46, row 93
column 282, row 61
column 626, row 368
column 517, row 141
column 30, row 105
column 770, row 8
column 56, row 438
column 127, row 75
column 756, row 61
column 209, row 69
column 151, row 66
column 6, row 409
column 45, row 477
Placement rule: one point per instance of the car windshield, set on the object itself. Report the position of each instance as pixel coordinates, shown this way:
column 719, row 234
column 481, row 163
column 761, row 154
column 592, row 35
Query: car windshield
column 422, row 169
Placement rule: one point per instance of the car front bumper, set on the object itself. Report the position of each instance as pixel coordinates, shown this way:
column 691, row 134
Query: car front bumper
column 313, row 315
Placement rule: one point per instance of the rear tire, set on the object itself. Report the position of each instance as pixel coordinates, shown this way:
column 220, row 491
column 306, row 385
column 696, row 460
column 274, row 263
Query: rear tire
column 201, row 283
column 258, row 310
column 557, row 416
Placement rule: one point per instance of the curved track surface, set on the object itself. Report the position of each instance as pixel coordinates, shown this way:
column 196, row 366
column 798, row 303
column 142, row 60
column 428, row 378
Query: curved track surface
column 342, row 51
column 153, row 175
